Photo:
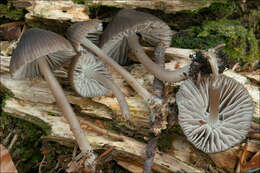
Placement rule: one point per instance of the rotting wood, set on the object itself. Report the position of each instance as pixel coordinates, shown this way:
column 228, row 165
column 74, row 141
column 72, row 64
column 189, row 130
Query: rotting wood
column 40, row 103
column 64, row 10
column 128, row 149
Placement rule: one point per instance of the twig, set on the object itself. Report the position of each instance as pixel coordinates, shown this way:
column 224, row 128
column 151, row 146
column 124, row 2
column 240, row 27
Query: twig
column 74, row 152
column 7, row 138
column 219, row 46
column 41, row 164
column 159, row 92
column 235, row 66
column 13, row 142
column 6, row 25
column 105, row 132
column 109, row 150
column 24, row 29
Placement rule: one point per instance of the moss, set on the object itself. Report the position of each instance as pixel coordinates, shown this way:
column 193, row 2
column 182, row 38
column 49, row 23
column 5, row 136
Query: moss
column 8, row 11
column 56, row 26
column 26, row 150
column 228, row 9
column 241, row 44
column 256, row 120
column 53, row 114
column 79, row 1
column 4, row 95
column 33, row 120
column 188, row 40
column 166, row 139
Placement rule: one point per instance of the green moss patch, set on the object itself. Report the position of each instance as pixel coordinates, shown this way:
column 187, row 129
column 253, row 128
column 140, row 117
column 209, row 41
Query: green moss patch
column 9, row 13
column 241, row 44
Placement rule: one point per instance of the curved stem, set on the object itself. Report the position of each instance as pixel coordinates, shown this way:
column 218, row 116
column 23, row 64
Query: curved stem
column 116, row 90
column 160, row 73
column 127, row 76
column 66, row 109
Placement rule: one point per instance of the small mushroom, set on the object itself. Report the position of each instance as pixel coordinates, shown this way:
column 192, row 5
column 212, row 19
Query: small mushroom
column 121, row 34
column 89, row 77
column 37, row 53
column 214, row 114
column 91, row 29
column 82, row 40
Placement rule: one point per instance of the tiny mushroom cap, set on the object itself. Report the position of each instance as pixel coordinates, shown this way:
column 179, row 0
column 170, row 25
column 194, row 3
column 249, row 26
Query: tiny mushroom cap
column 91, row 29
column 127, row 21
column 90, row 78
column 214, row 114
column 83, row 73
column 52, row 47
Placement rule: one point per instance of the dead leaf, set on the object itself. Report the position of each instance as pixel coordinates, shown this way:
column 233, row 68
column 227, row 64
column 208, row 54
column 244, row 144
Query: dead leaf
column 6, row 163
column 254, row 163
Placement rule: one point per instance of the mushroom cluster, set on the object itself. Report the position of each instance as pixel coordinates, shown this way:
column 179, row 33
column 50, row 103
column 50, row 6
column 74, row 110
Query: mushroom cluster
column 214, row 112
column 89, row 75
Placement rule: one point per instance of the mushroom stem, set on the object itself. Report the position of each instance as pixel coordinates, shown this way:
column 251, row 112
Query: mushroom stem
column 66, row 109
column 116, row 90
column 128, row 77
column 160, row 73
column 214, row 99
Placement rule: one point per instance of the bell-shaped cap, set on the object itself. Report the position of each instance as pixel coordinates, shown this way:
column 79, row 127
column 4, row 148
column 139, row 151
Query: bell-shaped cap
column 127, row 21
column 90, row 29
column 83, row 75
column 235, row 111
column 36, row 43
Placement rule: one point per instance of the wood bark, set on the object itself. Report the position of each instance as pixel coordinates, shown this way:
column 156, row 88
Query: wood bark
column 68, row 10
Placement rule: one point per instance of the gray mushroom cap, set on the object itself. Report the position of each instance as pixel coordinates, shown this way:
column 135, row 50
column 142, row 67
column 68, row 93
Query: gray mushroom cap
column 114, row 43
column 36, row 43
column 90, row 29
column 82, row 75
column 235, row 113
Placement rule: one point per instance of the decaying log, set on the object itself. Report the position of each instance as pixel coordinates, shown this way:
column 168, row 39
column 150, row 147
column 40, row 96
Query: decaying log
column 128, row 149
column 68, row 10
column 139, row 107
column 32, row 101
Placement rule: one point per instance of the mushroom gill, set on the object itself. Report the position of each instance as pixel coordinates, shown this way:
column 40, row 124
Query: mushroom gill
column 214, row 114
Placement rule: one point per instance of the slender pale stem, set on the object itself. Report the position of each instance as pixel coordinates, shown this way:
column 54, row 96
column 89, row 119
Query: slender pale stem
column 127, row 76
column 66, row 109
column 117, row 92
column 162, row 74
column 214, row 96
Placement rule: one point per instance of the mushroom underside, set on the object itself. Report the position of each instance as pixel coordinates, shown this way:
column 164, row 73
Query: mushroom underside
column 235, row 114
column 31, row 69
column 152, row 32
column 83, row 72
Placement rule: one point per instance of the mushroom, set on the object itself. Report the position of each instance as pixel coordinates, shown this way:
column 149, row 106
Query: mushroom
column 91, row 29
column 89, row 77
column 122, row 33
column 38, row 53
column 155, row 103
column 81, row 39
column 216, row 114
